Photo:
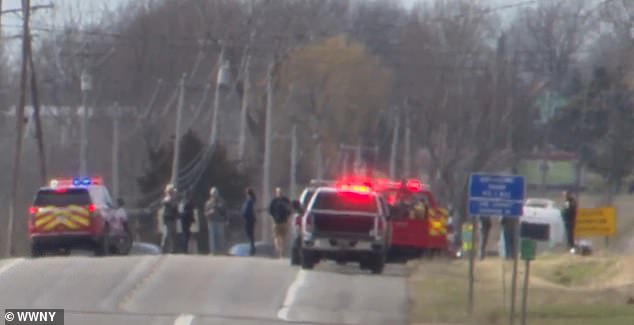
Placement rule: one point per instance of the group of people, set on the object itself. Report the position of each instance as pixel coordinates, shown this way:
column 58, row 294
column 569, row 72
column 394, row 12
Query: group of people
column 215, row 212
column 568, row 215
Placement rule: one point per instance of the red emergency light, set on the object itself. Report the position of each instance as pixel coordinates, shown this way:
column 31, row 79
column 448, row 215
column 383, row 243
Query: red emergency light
column 414, row 185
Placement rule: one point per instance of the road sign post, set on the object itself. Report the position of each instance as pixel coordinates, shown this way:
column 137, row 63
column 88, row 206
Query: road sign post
column 528, row 252
column 496, row 195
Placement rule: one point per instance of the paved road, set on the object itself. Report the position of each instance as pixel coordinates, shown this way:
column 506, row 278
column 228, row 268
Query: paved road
column 185, row 290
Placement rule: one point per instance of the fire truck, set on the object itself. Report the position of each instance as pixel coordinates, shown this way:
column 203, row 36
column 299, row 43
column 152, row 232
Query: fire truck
column 420, row 226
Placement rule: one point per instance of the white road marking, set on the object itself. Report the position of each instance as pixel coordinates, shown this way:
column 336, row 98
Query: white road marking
column 11, row 264
column 184, row 319
column 291, row 293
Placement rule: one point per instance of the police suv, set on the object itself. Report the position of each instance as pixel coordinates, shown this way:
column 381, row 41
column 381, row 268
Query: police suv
column 76, row 213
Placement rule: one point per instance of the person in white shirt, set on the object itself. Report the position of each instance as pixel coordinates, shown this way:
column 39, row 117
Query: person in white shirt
column 121, row 217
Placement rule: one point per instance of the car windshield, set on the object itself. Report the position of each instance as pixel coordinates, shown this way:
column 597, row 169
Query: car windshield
column 79, row 196
column 346, row 201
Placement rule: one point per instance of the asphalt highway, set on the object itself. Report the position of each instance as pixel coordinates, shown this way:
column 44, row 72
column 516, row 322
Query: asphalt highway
column 197, row 290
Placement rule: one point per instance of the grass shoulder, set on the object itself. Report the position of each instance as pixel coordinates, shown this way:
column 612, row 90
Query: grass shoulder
column 563, row 290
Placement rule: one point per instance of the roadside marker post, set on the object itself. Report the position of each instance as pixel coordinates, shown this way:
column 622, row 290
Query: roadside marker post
column 528, row 253
column 496, row 195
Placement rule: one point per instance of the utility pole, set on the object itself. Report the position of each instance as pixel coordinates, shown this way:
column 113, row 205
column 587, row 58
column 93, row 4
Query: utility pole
column 19, row 116
column 395, row 139
column 268, row 134
column 219, row 80
column 116, row 116
column 320, row 163
column 36, row 113
column 177, row 132
column 86, row 86
column 407, row 156
column 293, row 178
column 244, row 111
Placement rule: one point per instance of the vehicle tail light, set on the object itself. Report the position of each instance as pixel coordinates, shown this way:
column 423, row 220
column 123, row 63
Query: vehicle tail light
column 91, row 208
column 33, row 210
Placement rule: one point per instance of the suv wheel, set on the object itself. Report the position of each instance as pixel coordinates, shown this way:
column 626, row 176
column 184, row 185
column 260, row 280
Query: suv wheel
column 307, row 260
column 377, row 264
column 102, row 248
column 37, row 250
column 295, row 252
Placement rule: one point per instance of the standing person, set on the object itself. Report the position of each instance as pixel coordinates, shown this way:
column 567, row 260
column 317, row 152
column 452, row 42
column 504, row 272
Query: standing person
column 170, row 214
column 485, row 229
column 280, row 210
column 248, row 213
column 569, row 216
column 216, row 220
column 187, row 219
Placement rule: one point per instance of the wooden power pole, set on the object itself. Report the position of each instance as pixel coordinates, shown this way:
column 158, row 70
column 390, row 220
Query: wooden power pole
column 19, row 116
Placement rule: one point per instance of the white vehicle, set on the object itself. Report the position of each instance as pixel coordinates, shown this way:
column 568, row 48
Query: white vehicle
column 345, row 225
column 545, row 211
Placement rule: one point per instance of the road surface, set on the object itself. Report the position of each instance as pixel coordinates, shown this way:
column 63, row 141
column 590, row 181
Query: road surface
column 197, row 290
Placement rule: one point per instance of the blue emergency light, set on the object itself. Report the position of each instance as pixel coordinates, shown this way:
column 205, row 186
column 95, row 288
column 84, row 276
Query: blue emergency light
column 75, row 182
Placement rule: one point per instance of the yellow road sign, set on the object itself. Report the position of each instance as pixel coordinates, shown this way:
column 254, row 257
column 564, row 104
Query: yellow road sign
column 596, row 222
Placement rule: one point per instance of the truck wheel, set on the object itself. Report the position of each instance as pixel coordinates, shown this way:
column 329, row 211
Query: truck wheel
column 295, row 254
column 37, row 250
column 307, row 260
column 377, row 264
column 102, row 248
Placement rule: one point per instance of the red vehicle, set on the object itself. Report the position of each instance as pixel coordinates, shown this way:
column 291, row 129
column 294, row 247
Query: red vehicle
column 419, row 224
column 76, row 213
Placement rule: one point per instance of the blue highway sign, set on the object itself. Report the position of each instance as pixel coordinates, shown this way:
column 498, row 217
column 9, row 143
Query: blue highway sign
column 496, row 195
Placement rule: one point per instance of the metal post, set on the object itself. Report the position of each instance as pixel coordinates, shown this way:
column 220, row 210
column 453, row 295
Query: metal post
column 394, row 147
column 243, row 111
column 516, row 228
column 115, row 150
column 268, row 135
column 525, row 293
column 294, row 162
column 177, row 132
column 474, row 225
column 86, row 86
column 214, row 120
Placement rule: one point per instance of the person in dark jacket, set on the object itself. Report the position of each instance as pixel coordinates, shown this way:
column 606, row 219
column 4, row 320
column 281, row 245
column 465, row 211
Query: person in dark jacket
column 569, row 216
column 280, row 209
column 485, row 229
column 170, row 215
column 248, row 213
column 187, row 219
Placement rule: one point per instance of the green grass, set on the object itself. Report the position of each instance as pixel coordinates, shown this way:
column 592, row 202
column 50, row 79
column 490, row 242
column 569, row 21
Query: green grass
column 575, row 274
column 560, row 172
column 439, row 294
